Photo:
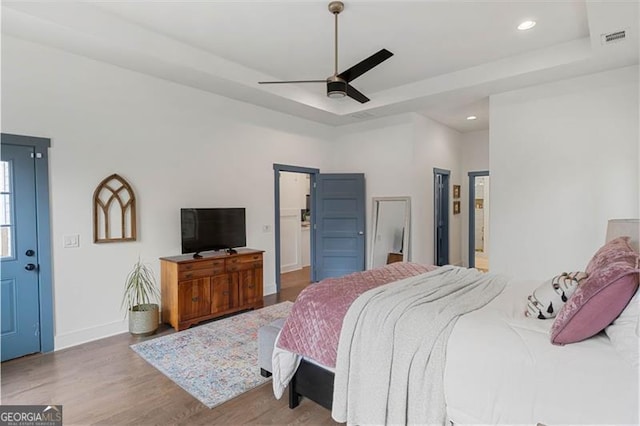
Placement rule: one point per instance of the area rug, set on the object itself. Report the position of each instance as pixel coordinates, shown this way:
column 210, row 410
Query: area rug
column 217, row 361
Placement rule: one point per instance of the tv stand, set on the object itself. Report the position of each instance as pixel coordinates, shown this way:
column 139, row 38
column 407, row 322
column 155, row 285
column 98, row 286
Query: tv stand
column 231, row 251
column 197, row 255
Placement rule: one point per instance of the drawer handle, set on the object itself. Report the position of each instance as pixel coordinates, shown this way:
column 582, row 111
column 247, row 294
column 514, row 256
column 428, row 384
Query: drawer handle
column 255, row 257
column 189, row 275
column 250, row 286
column 195, row 299
column 188, row 267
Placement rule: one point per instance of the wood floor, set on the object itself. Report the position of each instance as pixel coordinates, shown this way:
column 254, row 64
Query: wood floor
column 296, row 279
column 105, row 382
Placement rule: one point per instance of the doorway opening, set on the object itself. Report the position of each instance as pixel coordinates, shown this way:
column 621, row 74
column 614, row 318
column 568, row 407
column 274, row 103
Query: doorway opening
column 441, row 215
column 295, row 229
column 294, row 193
column 479, row 211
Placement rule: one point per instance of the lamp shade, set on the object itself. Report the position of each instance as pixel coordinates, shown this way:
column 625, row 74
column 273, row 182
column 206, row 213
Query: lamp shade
column 624, row 227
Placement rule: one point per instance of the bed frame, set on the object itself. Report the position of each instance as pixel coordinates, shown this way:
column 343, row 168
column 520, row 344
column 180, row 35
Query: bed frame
column 313, row 382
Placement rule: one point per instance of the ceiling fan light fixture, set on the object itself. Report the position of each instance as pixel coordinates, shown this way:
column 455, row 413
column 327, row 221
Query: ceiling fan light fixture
column 336, row 88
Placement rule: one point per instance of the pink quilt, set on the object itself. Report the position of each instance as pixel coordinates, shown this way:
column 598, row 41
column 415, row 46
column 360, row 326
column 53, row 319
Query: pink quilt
column 313, row 327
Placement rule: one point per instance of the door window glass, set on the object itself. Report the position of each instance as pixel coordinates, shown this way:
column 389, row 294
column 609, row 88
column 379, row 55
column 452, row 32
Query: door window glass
column 6, row 225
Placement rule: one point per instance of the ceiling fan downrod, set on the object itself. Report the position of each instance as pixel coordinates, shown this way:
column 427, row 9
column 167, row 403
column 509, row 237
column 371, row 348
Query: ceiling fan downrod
column 336, row 7
column 336, row 86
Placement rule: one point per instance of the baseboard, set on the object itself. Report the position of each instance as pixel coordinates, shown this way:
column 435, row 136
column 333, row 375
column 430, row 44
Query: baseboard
column 290, row 268
column 78, row 337
column 269, row 289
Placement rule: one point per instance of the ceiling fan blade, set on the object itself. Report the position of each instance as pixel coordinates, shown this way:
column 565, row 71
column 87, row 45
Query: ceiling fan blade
column 353, row 93
column 293, row 81
column 363, row 66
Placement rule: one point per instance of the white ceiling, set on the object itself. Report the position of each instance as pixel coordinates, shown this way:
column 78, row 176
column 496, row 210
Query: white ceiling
column 449, row 56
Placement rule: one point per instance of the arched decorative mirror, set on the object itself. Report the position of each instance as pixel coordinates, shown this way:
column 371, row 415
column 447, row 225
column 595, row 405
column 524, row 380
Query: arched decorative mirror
column 391, row 219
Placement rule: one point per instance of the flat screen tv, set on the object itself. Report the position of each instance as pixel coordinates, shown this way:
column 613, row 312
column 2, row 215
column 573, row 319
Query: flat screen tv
column 205, row 229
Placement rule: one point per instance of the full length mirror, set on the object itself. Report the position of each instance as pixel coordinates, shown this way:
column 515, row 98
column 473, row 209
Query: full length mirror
column 391, row 218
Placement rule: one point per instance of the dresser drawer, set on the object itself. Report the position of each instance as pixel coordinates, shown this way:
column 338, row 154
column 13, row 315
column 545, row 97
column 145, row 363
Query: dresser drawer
column 199, row 273
column 253, row 258
column 243, row 266
column 244, row 259
column 203, row 264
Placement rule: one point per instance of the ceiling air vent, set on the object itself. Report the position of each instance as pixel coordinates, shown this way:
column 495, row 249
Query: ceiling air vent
column 614, row 37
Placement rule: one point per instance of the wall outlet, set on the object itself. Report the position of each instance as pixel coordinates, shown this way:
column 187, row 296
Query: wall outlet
column 71, row 241
column 266, row 228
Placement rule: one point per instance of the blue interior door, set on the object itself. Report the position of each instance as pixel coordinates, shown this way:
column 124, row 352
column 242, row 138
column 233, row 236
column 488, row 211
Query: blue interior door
column 340, row 225
column 441, row 215
column 19, row 298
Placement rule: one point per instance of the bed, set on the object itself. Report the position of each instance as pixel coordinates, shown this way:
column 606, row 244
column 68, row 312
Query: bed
column 498, row 366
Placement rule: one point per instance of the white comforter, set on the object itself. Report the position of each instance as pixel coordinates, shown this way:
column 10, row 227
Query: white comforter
column 502, row 369
column 392, row 346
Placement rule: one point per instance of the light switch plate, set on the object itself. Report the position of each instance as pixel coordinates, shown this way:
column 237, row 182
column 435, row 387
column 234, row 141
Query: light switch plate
column 71, row 241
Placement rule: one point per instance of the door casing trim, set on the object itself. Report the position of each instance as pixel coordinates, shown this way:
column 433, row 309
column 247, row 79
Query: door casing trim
column 277, row 168
column 447, row 173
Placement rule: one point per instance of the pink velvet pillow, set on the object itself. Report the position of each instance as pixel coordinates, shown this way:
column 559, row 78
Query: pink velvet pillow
column 618, row 249
column 597, row 302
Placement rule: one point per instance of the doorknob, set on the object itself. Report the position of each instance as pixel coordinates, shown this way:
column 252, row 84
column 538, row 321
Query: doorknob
column 30, row 253
column 30, row 267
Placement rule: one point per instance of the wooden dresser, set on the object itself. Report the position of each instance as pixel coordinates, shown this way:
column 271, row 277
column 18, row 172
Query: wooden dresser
column 195, row 290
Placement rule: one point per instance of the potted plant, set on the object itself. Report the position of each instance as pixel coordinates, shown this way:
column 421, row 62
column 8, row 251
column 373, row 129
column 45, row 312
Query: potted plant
column 140, row 298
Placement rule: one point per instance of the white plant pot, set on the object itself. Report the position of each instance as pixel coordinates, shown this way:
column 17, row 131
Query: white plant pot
column 144, row 320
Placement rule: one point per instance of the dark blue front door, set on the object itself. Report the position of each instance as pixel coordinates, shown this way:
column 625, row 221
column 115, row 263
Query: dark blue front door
column 18, row 247
column 340, row 224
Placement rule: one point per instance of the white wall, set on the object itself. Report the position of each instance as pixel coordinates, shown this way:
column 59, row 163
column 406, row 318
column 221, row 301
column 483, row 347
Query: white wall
column 475, row 157
column 397, row 155
column 177, row 146
column 435, row 146
column 564, row 160
column 381, row 149
column 293, row 190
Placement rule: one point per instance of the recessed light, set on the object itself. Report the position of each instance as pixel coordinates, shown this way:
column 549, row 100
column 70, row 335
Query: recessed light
column 472, row 117
column 526, row 25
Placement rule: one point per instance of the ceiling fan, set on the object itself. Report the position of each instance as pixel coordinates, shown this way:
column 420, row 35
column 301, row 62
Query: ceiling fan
column 338, row 84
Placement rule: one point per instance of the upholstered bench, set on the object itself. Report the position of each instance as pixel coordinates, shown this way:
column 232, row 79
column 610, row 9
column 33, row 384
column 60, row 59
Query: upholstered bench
column 266, row 341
